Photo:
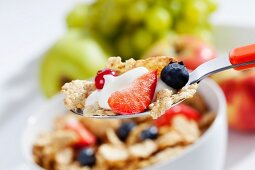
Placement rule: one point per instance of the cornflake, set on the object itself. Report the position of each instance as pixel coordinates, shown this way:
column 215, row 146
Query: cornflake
column 76, row 93
column 168, row 153
column 171, row 138
column 165, row 99
column 187, row 129
column 143, row 150
column 113, row 154
column 65, row 156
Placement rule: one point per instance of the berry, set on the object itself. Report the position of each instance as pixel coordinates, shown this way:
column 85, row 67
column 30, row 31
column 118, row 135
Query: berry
column 137, row 97
column 175, row 75
column 99, row 79
column 180, row 109
column 86, row 157
column 150, row 133
column 124, row 130
column 85, row 137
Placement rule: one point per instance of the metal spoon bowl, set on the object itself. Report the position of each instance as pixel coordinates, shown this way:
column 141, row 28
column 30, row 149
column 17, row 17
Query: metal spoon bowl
column 118, row 116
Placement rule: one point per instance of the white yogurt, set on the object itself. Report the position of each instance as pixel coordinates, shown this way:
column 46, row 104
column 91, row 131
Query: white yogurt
column 161, row 85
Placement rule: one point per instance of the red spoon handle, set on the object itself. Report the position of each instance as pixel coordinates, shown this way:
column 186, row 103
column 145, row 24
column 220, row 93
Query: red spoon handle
column 242, row 55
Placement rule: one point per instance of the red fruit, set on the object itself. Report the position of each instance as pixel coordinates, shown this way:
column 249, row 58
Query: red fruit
column 99, row 80
column 137, row 97
column 86, row 138
column 240, row 93
column 194, row 52
column 191, row 50
column 180, row 109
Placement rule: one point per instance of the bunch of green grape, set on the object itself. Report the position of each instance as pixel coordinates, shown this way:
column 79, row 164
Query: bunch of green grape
column 130, row 27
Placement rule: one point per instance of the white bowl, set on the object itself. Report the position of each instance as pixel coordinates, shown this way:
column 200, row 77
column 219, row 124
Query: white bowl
column 208, row 153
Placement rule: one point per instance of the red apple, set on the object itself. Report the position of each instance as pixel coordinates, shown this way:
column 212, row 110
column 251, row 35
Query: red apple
column 239, row 88
column 191, row 50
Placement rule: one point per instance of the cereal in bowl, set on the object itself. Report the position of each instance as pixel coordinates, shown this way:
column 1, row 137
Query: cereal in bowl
column 79, row 143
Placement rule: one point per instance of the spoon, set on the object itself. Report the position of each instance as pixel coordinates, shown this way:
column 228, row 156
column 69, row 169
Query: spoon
column 239, row 58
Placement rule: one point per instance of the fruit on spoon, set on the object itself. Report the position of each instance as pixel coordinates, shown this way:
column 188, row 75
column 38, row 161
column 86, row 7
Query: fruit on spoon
column 99, row 79
column 74, row 56
column 175, row 75
column 137, row 97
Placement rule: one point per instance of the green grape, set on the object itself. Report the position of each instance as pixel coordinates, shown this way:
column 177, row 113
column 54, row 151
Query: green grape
column 196, row 11
column 142, row 39
column 124, row 47
column 123, row 2
column 77, row 17
column 137, row 11
column 212, row 5
column 110, row 17
column 204, row 34
column 116, row 17
column 175, row 7
column 158, row 20
column 130, row 27
column 161, row 3
column 110, row 23
column 183, row 26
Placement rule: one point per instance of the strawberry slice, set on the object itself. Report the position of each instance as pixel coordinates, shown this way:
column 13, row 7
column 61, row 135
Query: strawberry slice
column 86, row 138
column 180, row 109
column 137, row 97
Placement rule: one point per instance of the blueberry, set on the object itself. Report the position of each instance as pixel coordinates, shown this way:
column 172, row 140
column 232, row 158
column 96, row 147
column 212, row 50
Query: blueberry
column 124, row 130
column 86, row 157
column 175, row 75
column 150, row 133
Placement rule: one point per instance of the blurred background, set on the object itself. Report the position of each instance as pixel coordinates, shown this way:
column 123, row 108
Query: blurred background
column 44, row 44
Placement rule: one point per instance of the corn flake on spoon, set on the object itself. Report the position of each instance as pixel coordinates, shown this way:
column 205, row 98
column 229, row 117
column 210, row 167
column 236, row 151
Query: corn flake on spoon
column 239, row 58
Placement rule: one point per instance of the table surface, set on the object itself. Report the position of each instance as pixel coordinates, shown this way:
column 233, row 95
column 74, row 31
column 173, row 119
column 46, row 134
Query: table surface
column 28, row 27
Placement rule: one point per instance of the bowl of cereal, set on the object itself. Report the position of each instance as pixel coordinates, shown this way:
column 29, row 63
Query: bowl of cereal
column 191, row 135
